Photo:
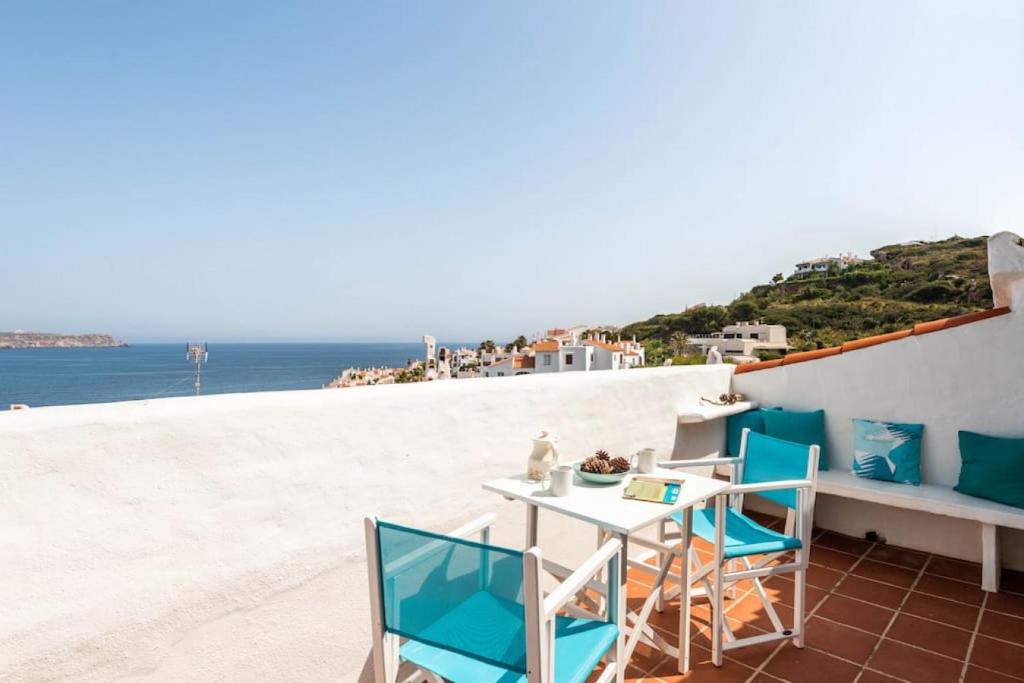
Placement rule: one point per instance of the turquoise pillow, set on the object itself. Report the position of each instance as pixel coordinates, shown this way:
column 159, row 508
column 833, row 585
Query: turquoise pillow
column 799, row 427
column 992, row 467
column 890, row 451
column 735, row 424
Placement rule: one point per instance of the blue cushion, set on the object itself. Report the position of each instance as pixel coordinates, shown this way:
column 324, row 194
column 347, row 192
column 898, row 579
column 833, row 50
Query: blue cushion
column 579, row 646
column 735, row 424
column 889, row 451
column 743, row 536
column 799, row 427
column 992, row 467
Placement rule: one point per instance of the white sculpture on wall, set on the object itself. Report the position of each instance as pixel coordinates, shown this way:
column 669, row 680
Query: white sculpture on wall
column 1006, row 270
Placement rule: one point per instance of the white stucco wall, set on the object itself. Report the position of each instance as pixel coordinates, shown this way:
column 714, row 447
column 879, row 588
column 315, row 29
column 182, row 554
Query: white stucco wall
column 221, row 537
column 969, row 377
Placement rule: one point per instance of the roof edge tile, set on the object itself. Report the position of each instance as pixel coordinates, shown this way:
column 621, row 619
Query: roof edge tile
column 866, row 342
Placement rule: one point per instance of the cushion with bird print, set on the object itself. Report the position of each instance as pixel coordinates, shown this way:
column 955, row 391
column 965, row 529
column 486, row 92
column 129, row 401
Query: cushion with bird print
column 890, row 451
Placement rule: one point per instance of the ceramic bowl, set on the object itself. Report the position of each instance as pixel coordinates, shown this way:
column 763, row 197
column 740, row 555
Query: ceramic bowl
column 598, row 478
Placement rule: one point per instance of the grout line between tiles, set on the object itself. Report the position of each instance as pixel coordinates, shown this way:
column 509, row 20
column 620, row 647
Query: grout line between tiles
column 974, row 637
column 892, row 620
column 812, row 612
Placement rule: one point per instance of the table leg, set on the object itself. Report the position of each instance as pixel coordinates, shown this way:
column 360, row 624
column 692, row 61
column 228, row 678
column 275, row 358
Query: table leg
column 620, row 596
column 686, row 529
column 531, row 525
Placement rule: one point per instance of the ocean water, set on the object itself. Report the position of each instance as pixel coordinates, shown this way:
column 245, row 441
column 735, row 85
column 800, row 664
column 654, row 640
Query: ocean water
column 46, row 377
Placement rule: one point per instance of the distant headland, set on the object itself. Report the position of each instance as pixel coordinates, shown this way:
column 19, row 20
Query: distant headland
column 38, row 340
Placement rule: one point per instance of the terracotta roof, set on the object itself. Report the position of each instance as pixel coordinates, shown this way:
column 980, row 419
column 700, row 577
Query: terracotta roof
column 524, row 362
column 546, row 346
column 603, row 345
column 856, row 344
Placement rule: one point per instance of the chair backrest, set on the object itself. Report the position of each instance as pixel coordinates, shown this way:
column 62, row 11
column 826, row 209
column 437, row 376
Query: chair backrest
column 453, row 593
column 767, row 459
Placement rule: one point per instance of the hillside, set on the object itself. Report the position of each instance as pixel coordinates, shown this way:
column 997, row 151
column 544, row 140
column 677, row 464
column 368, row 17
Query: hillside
column 901, row 285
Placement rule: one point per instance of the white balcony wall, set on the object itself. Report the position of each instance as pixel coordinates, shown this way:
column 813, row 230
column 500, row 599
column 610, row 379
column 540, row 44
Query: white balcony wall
column 221, row 538
column 967, row 377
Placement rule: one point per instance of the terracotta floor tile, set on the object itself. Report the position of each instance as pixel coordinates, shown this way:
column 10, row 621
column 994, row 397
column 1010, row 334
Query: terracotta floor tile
column 798, row 665
column 954, row 569
column 701, row 669
column 886, row 573
column 869, row 676
column 978, row 675
column 833, row 559
column 866, row 617
column 1007, row 603
column 893, row 554
column 917, row 666
column 941, row 610
column 950, row 589
column 822, row 577
column 644, row 657
column 881, row 594
column 750, row 610
column 752, row 655
column 846, row 544
column 945, row 640
column 780, row 591
column 840, row 640
column 999, row 656
column 1002, row 626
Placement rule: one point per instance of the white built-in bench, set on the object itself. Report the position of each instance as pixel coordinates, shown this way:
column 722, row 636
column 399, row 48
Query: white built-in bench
column 939, row 500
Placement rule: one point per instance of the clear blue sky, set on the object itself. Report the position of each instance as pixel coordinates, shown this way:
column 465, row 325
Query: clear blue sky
column 377, row 170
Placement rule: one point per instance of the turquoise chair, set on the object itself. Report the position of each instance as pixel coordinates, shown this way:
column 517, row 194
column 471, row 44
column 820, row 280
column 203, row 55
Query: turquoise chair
column 783, row 472
column 466, row 610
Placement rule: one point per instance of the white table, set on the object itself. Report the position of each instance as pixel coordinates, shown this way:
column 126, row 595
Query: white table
column 604, row 507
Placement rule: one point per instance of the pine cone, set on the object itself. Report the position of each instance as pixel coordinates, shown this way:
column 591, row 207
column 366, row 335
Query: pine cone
column 602, row 455
column 604, row 467
column 619, row 465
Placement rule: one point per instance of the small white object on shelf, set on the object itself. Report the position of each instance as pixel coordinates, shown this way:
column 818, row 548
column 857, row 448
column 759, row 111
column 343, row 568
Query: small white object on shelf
column 707, row 411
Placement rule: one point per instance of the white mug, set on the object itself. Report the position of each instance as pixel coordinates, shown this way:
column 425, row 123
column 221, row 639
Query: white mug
column 646, row 460
column 561, row 480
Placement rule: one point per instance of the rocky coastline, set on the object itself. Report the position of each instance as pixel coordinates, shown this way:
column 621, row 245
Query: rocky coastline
column 43, row 340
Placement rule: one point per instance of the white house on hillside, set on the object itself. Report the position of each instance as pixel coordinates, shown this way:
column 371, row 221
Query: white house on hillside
column 821, row 265
column 744, row 340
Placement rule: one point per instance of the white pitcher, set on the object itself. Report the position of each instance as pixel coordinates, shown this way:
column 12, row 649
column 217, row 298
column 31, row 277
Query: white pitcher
column 543, row 458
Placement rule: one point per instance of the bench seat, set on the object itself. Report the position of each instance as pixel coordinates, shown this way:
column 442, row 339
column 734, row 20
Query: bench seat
column 936, row 499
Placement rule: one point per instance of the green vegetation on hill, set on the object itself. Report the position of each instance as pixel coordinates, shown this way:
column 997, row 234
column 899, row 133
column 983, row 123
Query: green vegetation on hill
column 904, row 284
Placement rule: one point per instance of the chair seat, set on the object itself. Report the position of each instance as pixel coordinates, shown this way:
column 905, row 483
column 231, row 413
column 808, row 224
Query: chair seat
column 743, row 536
column 579, row 644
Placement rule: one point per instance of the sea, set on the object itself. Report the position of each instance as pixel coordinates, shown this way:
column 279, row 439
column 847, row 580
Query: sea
column 63, row 376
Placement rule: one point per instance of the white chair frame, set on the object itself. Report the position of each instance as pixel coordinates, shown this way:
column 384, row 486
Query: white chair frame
column 720, row 575
column 540, row 609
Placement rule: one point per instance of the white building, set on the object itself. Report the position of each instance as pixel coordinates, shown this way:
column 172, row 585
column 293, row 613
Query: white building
column 509, row 367
column 744, row 340
column 821, row 265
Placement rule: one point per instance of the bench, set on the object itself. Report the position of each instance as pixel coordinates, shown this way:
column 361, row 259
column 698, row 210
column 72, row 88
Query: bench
column 938, row 500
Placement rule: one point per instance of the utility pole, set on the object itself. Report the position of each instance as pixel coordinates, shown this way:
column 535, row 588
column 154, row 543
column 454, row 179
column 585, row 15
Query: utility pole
column 199, row 353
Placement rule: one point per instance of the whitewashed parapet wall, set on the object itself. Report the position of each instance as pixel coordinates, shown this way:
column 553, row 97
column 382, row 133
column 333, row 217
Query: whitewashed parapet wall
column 969, row 377
column 220, row 538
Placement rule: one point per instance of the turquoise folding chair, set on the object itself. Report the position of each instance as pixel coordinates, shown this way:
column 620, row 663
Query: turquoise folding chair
column 783, row 472
column 470, row 611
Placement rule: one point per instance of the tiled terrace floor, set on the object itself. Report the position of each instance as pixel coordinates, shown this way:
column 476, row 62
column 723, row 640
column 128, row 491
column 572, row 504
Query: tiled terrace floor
column 875, row 613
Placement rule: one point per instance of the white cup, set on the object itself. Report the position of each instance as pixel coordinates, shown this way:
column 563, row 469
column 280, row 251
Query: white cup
column 646, row 460
column 561, row 480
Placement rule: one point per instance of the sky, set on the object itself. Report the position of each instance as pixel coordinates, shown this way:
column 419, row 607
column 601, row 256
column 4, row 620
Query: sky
column 370, row 171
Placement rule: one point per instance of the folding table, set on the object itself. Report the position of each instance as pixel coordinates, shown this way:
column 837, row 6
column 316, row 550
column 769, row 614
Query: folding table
column 604, row 507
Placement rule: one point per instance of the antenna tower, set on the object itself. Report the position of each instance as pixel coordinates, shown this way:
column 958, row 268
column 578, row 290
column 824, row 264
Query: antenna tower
column 199, row 353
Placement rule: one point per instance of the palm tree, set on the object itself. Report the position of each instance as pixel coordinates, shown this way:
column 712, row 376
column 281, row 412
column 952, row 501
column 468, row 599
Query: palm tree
column 487, row 346
column 678, row 342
